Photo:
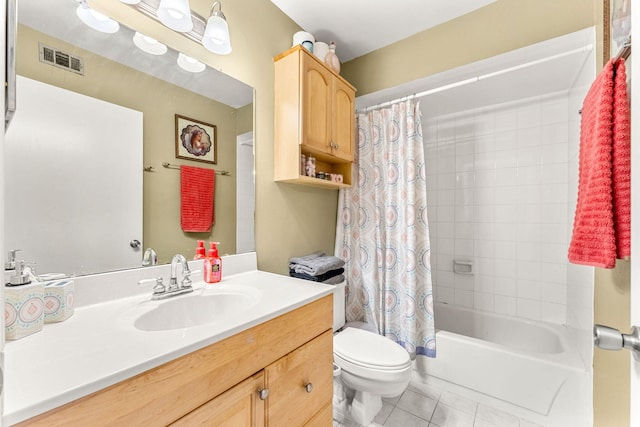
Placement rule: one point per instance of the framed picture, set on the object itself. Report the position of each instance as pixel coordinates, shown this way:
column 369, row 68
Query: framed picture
column 196, row 140
column 617, row 26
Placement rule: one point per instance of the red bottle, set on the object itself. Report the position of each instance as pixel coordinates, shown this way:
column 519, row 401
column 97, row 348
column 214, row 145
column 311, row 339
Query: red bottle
column 200, row 253
column 213, row 265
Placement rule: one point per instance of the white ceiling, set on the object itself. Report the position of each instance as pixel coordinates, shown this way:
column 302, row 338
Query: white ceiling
column 58, row 19
column 362, row 26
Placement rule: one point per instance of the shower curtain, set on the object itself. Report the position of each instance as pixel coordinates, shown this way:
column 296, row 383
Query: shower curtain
column 382, row 230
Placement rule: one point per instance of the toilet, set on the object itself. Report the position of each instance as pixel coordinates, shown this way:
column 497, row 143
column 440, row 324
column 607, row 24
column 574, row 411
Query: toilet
column 371, row 365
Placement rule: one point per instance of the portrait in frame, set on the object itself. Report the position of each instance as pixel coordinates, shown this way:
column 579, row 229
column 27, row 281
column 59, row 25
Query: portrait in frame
column 195, row 140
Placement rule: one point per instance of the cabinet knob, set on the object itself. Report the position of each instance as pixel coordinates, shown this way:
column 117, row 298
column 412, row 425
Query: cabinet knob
column 264, row 393
column 308, row 387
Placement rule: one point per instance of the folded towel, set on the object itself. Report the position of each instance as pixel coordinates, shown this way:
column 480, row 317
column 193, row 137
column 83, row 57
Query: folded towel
column 319, row 265
column 621, row 162
column 334, row 280
column 601, row 225
column 302, row 259
column 319, row 278
column 196, row 199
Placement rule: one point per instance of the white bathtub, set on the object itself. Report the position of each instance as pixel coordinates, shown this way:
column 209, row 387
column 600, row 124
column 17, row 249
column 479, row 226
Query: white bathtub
column 522, row 362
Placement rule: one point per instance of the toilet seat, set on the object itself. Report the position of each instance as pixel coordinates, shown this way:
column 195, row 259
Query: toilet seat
column 369, row 354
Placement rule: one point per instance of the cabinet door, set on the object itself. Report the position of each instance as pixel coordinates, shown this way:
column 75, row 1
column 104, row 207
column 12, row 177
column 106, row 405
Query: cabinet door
column 238, row 406
column 316, row 105
column 343, row 119
column 301, row 383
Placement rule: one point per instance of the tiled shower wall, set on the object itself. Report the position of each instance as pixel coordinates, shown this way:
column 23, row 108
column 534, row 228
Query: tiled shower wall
column 498, row 195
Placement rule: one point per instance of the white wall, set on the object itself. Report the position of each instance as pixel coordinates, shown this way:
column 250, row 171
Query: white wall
column 72, row 157
column 498, row 194
column 580, row 278
column 245, row 198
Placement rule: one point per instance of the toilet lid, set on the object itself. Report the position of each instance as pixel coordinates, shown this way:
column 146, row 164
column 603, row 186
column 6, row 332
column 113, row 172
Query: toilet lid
column 369, row 349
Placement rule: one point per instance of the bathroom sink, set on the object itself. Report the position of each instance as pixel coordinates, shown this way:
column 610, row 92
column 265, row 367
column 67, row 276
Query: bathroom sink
column 197, row 309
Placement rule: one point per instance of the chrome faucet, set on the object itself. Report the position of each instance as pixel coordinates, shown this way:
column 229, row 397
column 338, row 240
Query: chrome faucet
column 160, row 291
column 185, row 283
column 150, row 257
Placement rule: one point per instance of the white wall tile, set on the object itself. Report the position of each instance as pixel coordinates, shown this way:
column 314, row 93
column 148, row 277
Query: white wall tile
column 505, row 305
column 463, row 298
column 506, row 286
column 483, row 301
column 529, row 309
column 504, row 141
column 502, row 175
column 553, row 313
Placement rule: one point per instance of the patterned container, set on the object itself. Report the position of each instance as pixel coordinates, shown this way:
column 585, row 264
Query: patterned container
column 58, row 300
column 23, row 310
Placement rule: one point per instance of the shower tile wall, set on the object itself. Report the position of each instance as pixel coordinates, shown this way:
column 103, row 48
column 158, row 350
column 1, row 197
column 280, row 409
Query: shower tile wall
column 498, row 195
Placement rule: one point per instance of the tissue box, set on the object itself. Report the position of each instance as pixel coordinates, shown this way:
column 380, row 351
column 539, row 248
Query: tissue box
column 23, row 310
column 58, row 300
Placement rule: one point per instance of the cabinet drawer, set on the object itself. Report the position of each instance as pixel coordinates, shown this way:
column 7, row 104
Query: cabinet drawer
column 291, row 401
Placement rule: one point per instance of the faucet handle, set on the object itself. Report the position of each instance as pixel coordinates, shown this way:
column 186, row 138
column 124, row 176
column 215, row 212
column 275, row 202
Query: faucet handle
column 159, row 287
column 10, row 263
column 186, row 279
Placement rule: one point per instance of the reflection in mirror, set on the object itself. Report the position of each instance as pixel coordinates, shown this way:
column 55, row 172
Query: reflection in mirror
column 118, row 74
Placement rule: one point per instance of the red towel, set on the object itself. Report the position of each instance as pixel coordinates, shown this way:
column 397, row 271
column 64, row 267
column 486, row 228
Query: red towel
column 196, row 199
column 601, row 228
column 621, row 162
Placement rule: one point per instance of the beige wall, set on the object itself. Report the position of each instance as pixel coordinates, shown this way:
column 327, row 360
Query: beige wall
column 244, row 119
column 159, row 101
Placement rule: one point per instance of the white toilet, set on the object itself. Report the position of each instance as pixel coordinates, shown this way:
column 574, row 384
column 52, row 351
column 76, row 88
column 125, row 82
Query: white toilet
column 371, row 365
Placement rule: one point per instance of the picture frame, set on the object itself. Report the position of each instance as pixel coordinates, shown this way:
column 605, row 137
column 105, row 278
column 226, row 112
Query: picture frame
column 616, row 28
column 196, row 140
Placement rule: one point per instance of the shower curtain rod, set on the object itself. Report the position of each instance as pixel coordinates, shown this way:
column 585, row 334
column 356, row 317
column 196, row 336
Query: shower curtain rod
column 587, row 48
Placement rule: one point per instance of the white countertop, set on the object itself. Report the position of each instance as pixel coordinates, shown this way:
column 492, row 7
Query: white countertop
column 99, row 346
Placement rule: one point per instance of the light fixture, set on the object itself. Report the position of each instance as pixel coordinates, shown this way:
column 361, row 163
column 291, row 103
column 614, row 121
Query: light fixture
column 130, row 1
column 216, row 35
column 190, row 64
column 96, row 20
column 176, row 14
column 149, row 44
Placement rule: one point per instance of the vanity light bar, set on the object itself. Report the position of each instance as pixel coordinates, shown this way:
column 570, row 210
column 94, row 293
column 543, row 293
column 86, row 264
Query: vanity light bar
column 150, row 9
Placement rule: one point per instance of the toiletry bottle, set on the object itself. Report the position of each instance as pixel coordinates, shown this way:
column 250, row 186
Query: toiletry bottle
column 200, row 253
column 212, row 265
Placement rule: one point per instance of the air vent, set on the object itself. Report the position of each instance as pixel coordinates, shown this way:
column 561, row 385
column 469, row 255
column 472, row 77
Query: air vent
column 61, row 59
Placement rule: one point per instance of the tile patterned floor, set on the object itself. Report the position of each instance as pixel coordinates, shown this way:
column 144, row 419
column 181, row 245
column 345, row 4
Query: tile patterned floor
column 433, row 405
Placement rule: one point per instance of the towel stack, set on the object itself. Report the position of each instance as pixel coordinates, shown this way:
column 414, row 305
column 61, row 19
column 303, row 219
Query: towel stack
column 317, row 267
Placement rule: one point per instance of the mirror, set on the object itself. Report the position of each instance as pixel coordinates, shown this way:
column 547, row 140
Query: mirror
column 116, row 71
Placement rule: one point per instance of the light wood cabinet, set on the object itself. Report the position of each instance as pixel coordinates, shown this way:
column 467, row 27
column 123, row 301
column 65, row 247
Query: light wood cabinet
column 239, row 406
column 301, row 383
column 314, row 115
column 219, row 385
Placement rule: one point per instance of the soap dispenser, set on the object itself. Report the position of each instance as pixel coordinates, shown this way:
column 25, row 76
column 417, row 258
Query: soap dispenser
column 23, row 304
column 213, row 264
column 200, row 252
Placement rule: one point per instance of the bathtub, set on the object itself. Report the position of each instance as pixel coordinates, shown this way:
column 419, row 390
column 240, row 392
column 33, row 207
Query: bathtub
column 521, row 362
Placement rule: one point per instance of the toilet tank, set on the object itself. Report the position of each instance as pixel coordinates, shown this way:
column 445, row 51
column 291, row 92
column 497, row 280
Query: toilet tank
column 338, row 305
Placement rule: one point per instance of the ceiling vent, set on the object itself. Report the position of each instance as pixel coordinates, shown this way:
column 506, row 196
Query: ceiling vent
column 61, row 59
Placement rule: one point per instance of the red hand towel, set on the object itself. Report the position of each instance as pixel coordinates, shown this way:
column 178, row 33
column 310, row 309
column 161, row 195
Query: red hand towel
column 602, row 224
column 621, row 162
column 196, row 199
column 593, row 239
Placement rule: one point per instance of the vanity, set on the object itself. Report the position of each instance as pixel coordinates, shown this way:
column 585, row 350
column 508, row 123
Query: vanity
column 265, row 360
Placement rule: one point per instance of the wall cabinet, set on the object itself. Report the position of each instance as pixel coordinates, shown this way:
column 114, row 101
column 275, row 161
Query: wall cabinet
column 291, row 356
column 314, row 115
